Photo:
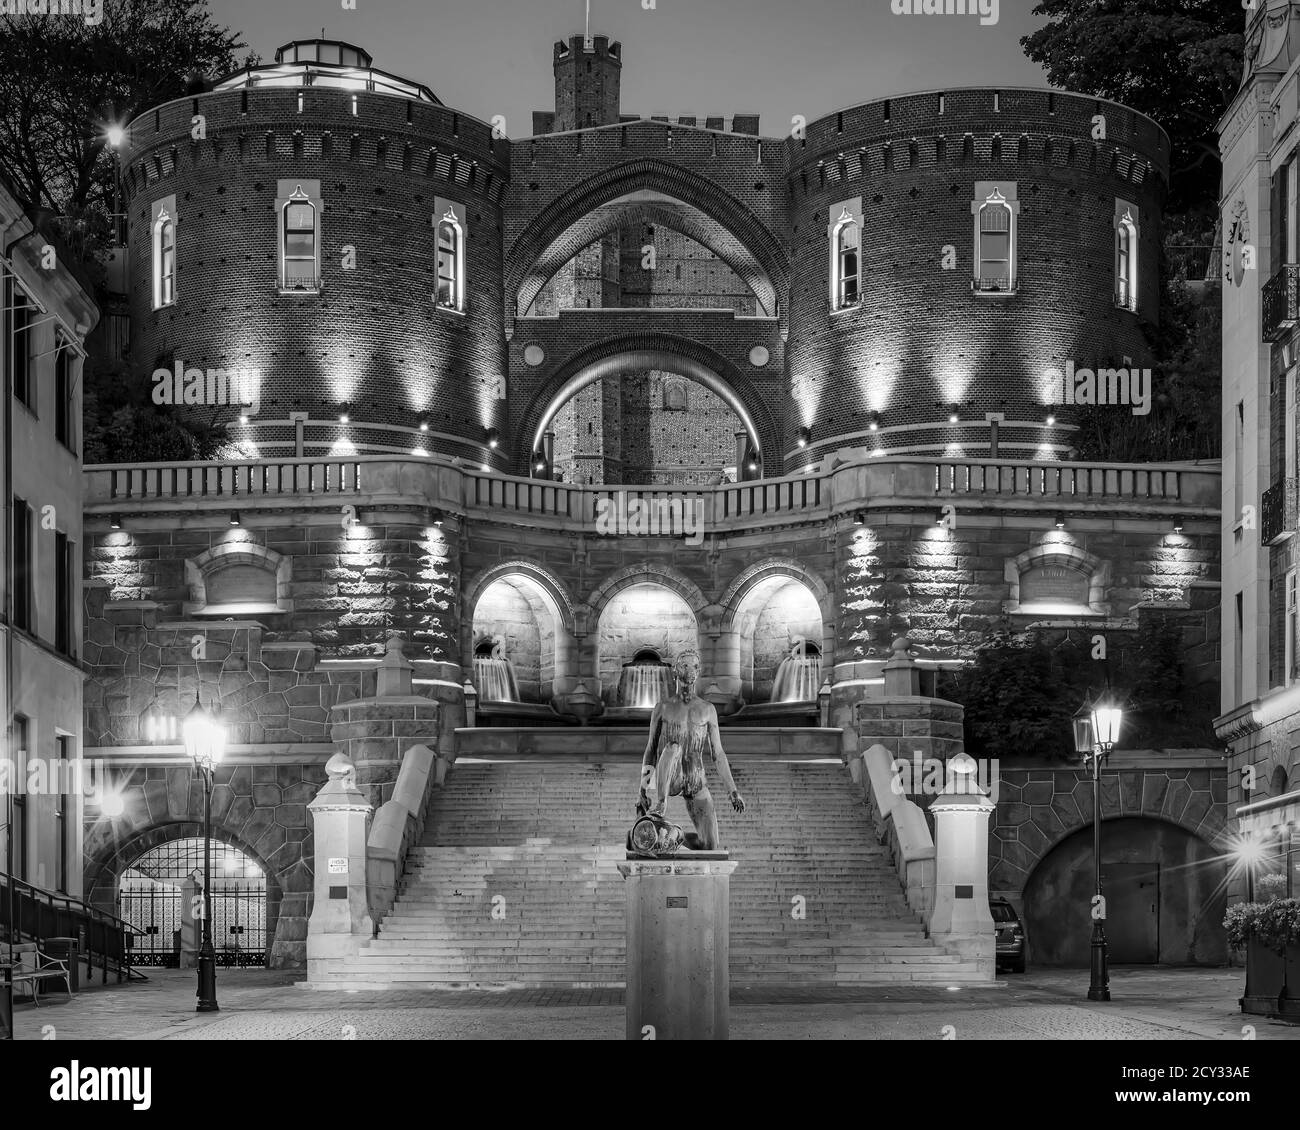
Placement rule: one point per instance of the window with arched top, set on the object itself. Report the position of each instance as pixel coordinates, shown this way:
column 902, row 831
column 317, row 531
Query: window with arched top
column 300, row 248
column 449, row 222
column 164, row 253
column 994, row 245
column 1126, row 255
column 845, row 235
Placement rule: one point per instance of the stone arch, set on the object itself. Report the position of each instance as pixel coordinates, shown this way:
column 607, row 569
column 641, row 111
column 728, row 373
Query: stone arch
column 104, row 868
column 651, row 573
column 649, row 351
column 650, row 173
column 735, row 593
column 549, row 665
column 643, row 209
column 1064, row 554
column 199, row 569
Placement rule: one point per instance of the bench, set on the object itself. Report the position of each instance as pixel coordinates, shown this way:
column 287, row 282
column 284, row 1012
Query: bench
column 34, row 967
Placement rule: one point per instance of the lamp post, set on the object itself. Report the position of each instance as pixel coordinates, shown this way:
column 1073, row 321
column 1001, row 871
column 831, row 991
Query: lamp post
column 1096, row 729
column 205, row 742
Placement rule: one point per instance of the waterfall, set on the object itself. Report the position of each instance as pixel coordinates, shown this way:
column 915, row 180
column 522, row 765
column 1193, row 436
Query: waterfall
column 798, row 679
column 495, row 680
column 644, row 684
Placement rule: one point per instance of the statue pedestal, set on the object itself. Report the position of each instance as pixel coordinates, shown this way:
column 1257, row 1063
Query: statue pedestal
column 678, row 945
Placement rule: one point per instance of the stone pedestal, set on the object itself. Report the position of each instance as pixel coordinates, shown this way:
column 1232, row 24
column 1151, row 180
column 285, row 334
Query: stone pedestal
column 960, row 920
column 678, row 946
column 340, row 920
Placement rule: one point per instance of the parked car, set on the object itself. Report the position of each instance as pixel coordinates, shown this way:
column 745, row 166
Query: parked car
column 1009, row 937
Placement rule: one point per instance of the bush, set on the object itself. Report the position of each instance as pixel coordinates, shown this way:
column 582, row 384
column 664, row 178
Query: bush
column 1275, row 925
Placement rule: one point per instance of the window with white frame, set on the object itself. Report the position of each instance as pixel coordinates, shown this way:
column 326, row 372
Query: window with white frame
column 1126, row 255
column 450, row 231
column 164, row 252
column 844, row 236
column 298, row 206
column 996, row 211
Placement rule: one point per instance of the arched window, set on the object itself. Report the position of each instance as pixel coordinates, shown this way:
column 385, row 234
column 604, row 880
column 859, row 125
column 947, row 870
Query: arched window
column 164, row 260
column 1126, row 257
column 995, row 245
column 846, row 260
column 300, row 244
column 451, row 263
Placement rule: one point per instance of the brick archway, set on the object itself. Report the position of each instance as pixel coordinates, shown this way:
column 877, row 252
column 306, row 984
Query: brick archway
column 649, row 351
column 674, row 180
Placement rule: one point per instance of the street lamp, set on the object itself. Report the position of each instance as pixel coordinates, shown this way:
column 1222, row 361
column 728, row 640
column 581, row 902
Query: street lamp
column 205, row 742
column 1096, row 730
column 115, row 135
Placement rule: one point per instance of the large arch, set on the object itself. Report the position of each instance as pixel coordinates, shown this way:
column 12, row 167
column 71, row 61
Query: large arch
column 661, row 176
column 647, row 207
column 651, row 573
column 638, row 352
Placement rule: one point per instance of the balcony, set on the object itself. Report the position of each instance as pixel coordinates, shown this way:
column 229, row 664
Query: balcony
column 1280, row 313
column 1278, row 520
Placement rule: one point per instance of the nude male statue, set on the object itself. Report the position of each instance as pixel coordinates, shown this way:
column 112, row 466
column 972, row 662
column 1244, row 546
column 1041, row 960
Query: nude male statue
column 682, row 727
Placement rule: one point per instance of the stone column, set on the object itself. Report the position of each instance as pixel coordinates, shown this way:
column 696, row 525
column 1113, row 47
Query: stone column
column 960, row 920
column 678, row 947
column 340, row 920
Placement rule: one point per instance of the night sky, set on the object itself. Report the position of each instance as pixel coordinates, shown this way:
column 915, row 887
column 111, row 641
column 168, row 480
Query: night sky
column 775, row 58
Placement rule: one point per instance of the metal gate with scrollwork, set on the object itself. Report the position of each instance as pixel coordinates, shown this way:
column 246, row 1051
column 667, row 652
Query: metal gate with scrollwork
column 151, row 893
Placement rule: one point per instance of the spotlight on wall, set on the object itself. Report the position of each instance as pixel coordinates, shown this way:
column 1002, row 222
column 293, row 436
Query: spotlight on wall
column 436, row 518
column 1050, row 420
column 234, row 517
column 1178, row 523
column 873, row 421
column 860, row 518
column 424, row 423
column 115, row 521
column 954, row 414
column 1060, row 521
column 539, row 461
column 751, row 461
column 344, row 412
column 803, row 436
column 492, row 437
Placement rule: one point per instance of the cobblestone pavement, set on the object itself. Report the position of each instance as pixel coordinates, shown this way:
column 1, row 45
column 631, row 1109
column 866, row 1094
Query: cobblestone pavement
column 1147, row 1004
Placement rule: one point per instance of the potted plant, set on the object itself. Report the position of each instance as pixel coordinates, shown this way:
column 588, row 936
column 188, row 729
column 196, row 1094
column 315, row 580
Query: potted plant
column 1269, row 932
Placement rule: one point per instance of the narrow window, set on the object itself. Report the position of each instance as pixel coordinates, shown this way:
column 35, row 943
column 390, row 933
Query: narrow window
column 164, row 261
column 63, row 415
column 1126, row 262
column 61, row 814
column 21, row 349
column 1239, row 461
column 1292, row 622
column 62, row 593
column 24, row 566
column 300, row 243
column 847, row 259
column 993, row 252
column 19, row 867
column 451, row 263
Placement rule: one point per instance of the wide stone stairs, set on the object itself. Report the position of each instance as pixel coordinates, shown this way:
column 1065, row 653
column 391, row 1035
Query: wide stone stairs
column 515, row 882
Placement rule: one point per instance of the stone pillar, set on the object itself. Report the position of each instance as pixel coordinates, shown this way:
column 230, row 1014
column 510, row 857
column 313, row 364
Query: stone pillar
column 902, row 676
column 340, row 920
column 678, row 947
column 374, row 733
column 960, row 920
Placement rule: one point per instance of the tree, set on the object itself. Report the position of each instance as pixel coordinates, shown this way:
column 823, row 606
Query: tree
column 1178, row 61
column 63, row 82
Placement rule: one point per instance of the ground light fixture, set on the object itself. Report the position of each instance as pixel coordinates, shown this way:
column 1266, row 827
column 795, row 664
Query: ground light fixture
column 1096, row 730
column 873, row 422
column 1060, row 521
column 115, row 521
column 205, row 743
column 492, row 437
column 344, row 413
column 803, row 436
column 954, row 414
column 1050, row 419
column 1178, row 523
column 860, row 518
column 234, row 518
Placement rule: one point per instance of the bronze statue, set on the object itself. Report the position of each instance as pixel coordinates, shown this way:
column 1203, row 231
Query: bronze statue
column 682, row 727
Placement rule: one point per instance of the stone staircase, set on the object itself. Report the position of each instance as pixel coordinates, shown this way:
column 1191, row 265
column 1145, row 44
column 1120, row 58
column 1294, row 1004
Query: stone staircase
column 536, row 842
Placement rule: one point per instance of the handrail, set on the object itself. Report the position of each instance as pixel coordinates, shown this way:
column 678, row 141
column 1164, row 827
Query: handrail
column 51, row 896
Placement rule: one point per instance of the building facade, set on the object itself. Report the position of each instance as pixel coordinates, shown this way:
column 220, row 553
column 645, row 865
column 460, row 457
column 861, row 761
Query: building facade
column 838, row 371
column 47, row 315
column 1260, row 694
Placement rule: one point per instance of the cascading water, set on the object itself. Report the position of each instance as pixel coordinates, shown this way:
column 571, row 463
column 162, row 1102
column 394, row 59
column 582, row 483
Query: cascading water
column 495, row 679
column 644, row 681
column 799, row 677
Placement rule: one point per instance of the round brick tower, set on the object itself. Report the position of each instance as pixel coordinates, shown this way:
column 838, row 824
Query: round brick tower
column 338, row 230
column 906, row 342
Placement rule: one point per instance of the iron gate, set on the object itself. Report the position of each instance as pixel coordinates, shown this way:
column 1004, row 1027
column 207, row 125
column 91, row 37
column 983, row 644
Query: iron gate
column 150, row 897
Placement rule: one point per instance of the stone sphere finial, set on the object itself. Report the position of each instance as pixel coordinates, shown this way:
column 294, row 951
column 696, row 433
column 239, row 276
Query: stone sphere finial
column 963, row 765
column 338, row 767
column 394, row 644
column 902, row 647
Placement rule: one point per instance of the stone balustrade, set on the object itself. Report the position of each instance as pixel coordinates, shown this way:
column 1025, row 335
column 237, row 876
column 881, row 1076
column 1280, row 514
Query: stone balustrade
column 844, row 485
